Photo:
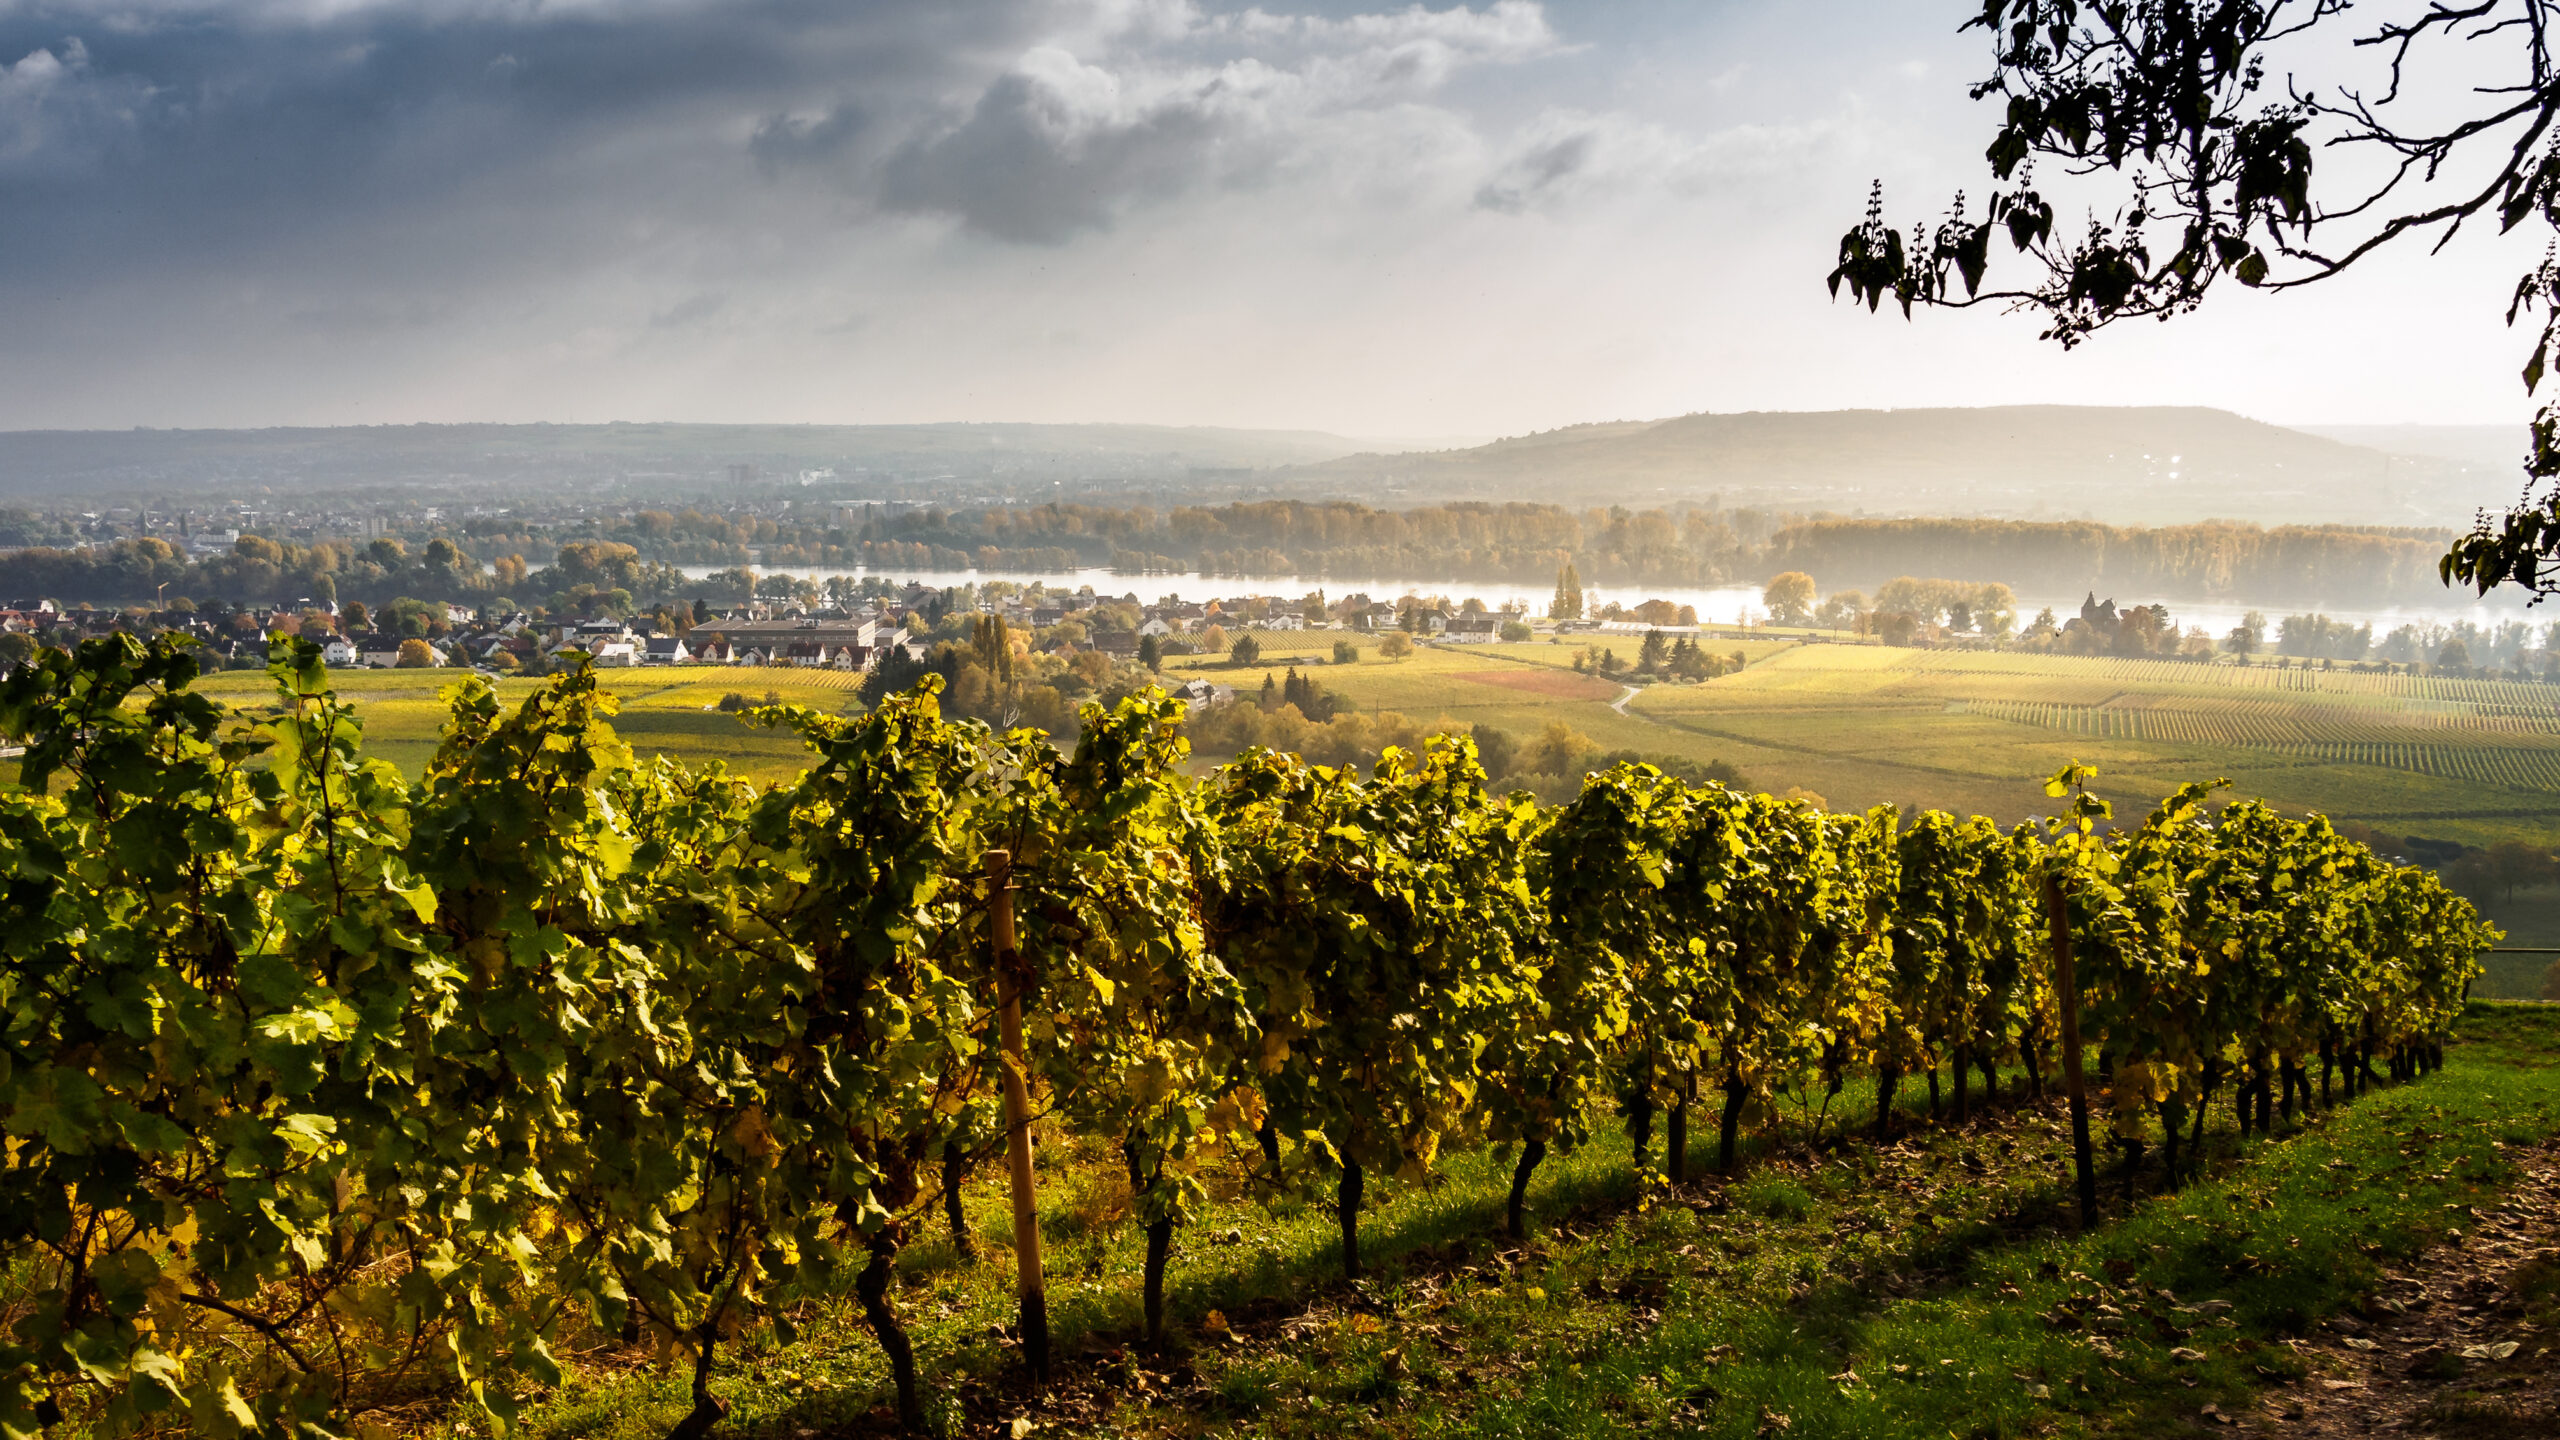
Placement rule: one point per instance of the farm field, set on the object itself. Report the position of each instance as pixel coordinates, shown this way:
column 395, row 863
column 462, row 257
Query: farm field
column 2474, row 761
column 2467, row 760
column 670, row 711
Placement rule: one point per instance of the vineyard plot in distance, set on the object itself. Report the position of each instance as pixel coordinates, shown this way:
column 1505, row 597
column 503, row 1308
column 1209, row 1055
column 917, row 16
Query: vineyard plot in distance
column 2469, row 760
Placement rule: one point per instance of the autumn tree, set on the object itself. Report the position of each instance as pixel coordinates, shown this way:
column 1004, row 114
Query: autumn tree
column 1789, row 597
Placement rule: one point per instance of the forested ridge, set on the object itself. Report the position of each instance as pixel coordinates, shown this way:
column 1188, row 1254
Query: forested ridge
column 326, row 1090
column 638, row 553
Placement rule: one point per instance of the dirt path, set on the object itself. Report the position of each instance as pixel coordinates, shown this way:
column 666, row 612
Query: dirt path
column 2463, row 1343
column 1620, row 705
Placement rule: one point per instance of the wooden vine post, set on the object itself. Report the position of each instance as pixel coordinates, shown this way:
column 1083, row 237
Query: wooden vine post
column 2075, row 1082
column 1017, row 1118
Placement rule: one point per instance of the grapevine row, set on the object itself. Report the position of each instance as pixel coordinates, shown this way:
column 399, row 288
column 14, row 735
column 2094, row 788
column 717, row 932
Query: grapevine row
column 325, row 1089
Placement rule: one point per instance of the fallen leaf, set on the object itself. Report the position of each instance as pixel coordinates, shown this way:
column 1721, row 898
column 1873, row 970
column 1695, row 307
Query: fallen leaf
column 2502, row 1350
column 2358, row 1342
column 2184, row 1352
column 1021, row 1428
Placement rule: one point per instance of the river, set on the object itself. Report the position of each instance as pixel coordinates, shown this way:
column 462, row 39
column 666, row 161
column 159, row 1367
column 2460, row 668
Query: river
column 1717, row 605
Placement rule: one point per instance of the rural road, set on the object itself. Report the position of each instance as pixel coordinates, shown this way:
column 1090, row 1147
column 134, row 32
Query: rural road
column 1620, row 705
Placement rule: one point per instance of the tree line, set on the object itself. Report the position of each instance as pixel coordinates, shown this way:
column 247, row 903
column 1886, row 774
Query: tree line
column 1515, row 543
column 325, row 1089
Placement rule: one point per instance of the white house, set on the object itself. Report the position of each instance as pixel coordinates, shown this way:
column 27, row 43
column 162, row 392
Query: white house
column 340, row 651
column 666, row 650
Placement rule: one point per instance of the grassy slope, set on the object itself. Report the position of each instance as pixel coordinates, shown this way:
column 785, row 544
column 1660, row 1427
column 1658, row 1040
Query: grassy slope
column 1863, row 725
column 1857, row 1292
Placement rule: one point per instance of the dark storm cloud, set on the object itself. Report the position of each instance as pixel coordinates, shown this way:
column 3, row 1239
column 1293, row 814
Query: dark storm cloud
column 1017, row 170
column 188, row 135
column 129, row 132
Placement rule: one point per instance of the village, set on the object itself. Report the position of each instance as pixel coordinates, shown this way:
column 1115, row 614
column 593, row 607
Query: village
column 843, row 630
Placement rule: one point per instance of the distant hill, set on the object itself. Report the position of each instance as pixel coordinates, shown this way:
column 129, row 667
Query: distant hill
column 1002, row 460
column 2123, row 465
column 2491, row 445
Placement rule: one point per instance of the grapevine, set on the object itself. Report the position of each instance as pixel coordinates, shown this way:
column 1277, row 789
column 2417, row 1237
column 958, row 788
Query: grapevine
column 323, row 1087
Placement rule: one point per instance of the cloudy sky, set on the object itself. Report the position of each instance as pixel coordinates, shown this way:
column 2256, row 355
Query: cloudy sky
column 1326, row 213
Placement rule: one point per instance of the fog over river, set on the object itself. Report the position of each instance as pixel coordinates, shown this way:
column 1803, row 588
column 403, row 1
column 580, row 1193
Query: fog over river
column 1717, row 605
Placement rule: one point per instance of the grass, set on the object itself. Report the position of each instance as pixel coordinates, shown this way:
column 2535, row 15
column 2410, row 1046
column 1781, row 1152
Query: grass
column 1859, row 725
column 2476, row 761
column 674, row 711
column 1932, row 1287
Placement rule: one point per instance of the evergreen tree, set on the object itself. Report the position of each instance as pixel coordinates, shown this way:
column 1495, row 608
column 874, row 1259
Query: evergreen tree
column 1649, row 659
column 1568, row 601
column 1151, row 654
column 1270, row 693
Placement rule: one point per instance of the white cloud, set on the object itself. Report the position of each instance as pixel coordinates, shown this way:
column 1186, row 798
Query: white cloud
column 56, row 115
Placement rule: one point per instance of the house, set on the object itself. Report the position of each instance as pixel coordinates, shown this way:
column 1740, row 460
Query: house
column 1477, row 629
column 340, row 651
column 616, row 654
column 1159, row 627
column 453, row 614
column 1121, row 643
column 714, row 651
column 1374, row 618
column 1285, row 620
column 666, row 650
column 377, row 650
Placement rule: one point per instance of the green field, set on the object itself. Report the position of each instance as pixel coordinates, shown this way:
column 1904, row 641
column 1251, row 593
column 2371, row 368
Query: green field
column 674, row 711
column 2467, row 760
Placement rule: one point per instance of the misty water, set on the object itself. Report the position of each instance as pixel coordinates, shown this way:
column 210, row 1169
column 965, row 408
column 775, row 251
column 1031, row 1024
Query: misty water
column 1728, row 605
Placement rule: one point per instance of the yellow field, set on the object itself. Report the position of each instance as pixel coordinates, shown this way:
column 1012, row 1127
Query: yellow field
column 2468, row 759
column 2476, row 761
column 672, row 710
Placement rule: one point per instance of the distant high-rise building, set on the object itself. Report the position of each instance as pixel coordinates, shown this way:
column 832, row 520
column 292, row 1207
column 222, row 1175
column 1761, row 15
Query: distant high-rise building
column 741, row 474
